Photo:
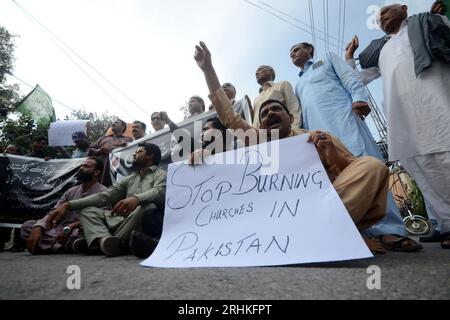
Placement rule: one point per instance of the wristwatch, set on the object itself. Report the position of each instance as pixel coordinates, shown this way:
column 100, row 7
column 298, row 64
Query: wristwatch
column 67, row 230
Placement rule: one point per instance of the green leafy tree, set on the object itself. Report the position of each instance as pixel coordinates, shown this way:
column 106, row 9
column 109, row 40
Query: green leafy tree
column 185, row 109
column 20, row 133
column 417, row 201
column 9, row 94
column 98, row 125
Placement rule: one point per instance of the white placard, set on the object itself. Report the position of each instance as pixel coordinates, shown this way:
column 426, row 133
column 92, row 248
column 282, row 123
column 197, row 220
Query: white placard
column 232, row 216
column 60, row 132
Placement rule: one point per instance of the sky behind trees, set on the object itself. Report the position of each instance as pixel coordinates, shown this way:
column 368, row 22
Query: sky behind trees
column 145, row 48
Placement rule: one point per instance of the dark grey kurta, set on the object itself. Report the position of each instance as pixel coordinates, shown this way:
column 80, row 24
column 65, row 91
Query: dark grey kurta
column 49, row 235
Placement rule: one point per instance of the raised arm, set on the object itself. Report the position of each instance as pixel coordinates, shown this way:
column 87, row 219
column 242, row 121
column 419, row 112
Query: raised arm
column 366, row 75
column 219, row 99
column 165, row 118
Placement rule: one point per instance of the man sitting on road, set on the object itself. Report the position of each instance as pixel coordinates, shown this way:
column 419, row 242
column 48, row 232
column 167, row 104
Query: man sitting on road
column 131, row 199
column 361, row 183
column 42, row 236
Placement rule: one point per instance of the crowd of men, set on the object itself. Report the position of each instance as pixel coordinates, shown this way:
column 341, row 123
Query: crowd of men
column 329, row 103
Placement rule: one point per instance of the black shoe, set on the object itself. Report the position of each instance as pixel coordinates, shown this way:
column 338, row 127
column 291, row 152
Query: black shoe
column 434, row 237
column 18, row 243
column 18, row 247
column 80, row 246
column 113, row 247
column 142, row 245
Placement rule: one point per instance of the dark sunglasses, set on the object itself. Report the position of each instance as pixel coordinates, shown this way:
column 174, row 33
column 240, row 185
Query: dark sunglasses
column 156, row 118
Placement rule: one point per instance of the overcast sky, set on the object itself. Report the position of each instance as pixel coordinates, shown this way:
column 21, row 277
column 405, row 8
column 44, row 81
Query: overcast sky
column 146, row 47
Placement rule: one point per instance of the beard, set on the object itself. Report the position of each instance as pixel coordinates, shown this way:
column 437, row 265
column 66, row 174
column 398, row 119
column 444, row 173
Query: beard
column 136, row 166
column 83, row 176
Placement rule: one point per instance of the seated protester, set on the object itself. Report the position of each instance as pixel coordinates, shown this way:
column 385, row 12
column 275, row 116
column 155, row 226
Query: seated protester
column 138, row 129
column 143, row 243
column 43, row 236
column 213, row 130
column 109, row 231
column 103, row 147
column 361, row 183
column 5, row 233
column 81, row 142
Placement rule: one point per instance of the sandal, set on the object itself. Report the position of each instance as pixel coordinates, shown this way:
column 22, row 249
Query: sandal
column 445, row 237
column 398, row 245
column 374, row 246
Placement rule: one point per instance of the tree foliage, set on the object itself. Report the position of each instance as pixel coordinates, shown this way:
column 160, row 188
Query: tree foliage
column 185, row 109
column 97, row 126
column 9, row 94
column 417, row 201
column 20, row 133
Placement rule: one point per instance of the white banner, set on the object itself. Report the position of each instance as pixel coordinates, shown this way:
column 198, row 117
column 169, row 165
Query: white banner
column 232, row 216
column 60, row 132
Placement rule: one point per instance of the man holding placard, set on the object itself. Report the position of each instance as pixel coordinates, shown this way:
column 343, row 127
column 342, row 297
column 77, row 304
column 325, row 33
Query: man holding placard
column 361, row 183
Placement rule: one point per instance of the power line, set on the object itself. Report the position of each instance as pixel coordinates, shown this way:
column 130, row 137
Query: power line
column 284, row 20
column 53, row 99
column 328, row 27
column 294, row 18
column 325, row 26
column 92, row 67
column 343, row 24
column 40, row 25
column 311, row 18
column 339, row 31
column 83, row 71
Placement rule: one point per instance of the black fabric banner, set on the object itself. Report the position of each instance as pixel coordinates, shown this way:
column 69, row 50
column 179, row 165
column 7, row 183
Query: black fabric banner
column 30, row 187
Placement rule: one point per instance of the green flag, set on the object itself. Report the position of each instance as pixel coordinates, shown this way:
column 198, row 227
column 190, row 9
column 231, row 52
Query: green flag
column 447, row 5
column 38, row 106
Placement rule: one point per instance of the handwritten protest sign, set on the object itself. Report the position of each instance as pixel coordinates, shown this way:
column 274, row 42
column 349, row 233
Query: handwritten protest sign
column 60, row 132
column 232, row 215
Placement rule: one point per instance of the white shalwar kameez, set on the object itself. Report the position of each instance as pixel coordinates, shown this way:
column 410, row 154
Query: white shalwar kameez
column 418, row 116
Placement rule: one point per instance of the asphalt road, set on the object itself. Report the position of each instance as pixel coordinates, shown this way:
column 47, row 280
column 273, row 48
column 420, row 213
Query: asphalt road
column 424, row 275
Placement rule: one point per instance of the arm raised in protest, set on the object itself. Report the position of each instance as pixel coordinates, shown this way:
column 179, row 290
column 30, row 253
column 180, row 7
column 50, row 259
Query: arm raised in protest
column 224, row 108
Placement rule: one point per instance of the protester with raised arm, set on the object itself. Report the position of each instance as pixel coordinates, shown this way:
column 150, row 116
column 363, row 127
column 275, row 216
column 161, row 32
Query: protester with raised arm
column 361, row 183
column 414, row 60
